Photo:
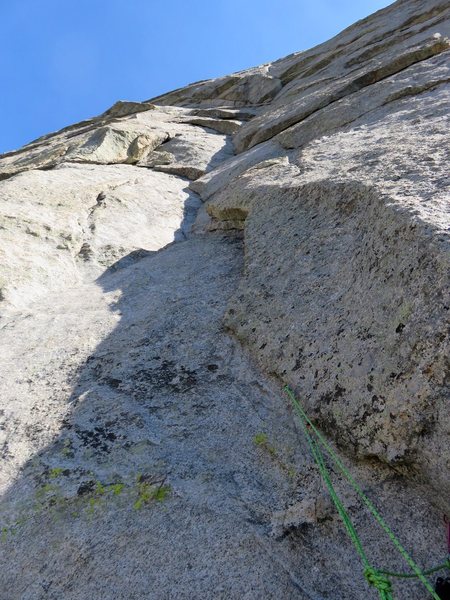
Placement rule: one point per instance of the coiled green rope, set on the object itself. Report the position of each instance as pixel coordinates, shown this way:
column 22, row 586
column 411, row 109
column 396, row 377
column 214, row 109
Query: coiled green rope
column 377, row 578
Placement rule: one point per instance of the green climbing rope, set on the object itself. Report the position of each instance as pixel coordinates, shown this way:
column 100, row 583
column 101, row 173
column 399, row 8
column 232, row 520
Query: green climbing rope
column 375, row 577
column 442, row 567
column 381, row 583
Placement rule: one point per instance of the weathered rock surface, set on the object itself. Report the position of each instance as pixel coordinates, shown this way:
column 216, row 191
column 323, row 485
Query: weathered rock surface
column 125, row 135
column 58, row 224
column 146, row 448
column 190, row 154
column 364, row 54
column 252, row 87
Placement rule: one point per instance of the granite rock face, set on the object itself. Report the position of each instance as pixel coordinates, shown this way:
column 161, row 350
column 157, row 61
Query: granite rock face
column 168, row 265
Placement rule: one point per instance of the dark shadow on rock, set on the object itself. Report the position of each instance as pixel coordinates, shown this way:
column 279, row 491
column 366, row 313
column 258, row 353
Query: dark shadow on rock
column 148, row 476
column 154, row 487
column 190, row 210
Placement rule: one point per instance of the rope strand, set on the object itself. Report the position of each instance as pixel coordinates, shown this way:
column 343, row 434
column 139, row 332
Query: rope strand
column 374, row 577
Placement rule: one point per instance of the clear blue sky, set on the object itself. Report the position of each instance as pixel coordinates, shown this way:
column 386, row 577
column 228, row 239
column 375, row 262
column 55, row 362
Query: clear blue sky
column 64, row 61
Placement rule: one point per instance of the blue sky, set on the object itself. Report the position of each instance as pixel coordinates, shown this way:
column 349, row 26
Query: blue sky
column 64, row 61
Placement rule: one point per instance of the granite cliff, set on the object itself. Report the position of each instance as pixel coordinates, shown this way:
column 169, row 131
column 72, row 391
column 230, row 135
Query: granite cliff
column 168, row 265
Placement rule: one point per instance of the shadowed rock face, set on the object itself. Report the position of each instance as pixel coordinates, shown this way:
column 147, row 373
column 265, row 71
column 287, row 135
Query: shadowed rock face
column 370, row 366
column 146, row 448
